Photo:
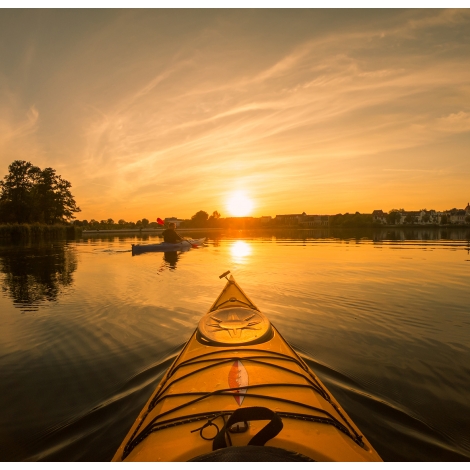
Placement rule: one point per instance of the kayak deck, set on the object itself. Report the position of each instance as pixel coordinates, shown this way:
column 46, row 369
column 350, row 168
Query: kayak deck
column 237, row 360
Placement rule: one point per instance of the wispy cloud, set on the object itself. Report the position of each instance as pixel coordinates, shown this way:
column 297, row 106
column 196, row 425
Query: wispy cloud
column 16, row 128
column 169, row 118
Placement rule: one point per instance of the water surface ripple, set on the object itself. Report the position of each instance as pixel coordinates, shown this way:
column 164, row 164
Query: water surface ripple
column 88, row 330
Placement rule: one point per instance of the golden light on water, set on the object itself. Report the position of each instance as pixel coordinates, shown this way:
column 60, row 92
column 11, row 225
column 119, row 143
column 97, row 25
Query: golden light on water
column 239, row 204
column 240, row 249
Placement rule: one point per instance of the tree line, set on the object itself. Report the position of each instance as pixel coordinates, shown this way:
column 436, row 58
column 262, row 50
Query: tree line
column 31, row 195
column 202, row 219
column 198, row 220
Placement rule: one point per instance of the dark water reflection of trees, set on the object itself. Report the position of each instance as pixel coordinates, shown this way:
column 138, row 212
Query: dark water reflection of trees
column 376, row 234
column 36, row 273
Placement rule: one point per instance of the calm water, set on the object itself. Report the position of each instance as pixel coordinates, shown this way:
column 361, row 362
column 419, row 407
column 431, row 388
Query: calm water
column 87, row 330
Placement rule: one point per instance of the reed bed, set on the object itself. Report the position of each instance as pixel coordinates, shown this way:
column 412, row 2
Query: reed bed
column 16, row 232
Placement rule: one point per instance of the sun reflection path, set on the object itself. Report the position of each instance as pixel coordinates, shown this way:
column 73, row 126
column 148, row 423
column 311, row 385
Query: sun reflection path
column 240, row 249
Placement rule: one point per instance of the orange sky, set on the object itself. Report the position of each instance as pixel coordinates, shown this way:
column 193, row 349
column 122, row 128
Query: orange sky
column 159, row 113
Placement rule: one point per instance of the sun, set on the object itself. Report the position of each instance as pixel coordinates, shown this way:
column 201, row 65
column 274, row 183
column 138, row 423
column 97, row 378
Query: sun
column 239, row 205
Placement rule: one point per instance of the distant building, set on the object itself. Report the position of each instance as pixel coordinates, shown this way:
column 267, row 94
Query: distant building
column 457, row 216
column 314, row 221
column 289, row 219
column 379, row 216
column 265, row 219
column 176, row 221
column 302, row 220
column 424, row 217
column 413, row 217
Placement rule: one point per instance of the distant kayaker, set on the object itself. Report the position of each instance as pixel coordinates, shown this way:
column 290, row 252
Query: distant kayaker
column 170, row 235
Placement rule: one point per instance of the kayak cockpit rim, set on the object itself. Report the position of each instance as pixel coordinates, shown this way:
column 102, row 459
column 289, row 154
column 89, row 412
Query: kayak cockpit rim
column 157, row 424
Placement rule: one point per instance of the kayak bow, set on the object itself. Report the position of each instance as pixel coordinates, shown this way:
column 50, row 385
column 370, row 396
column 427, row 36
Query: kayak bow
column 235, row 374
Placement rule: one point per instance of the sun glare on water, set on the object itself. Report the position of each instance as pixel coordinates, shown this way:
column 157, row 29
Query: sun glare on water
column 240, row 249
column 239, row 205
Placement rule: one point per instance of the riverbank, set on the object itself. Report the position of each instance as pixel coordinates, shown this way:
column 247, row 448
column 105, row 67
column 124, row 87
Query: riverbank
column 16, row 232
column 158, row 231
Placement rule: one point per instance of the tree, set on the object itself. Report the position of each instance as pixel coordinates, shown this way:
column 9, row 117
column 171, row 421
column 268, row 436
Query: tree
column 444, row 219
column 199, row 219
column 409, row 219
column 53, row 201
column 393, row 217
column 145, row 222
column 213, row 220
column 29, row 194
column 16, row 191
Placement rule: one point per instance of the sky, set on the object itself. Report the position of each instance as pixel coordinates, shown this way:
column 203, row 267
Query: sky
column 162, row 113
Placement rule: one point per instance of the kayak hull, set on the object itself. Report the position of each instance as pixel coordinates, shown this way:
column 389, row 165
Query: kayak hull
column 185, row 245
column 237, row 360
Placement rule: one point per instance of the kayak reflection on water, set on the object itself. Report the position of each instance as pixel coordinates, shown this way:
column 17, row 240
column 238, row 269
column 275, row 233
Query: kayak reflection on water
column 171, row 258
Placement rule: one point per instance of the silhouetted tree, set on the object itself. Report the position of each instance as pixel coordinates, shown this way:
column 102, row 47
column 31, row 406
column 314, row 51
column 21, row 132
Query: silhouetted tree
column 393, row 217
column 351, row 220
column 199, row 219
column 52, row 200
column 214, row 219
column 16, row 191
column 409, row 219
column 29, row 194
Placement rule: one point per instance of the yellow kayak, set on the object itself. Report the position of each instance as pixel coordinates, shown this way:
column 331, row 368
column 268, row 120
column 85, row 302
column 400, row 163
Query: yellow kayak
column 239, row 392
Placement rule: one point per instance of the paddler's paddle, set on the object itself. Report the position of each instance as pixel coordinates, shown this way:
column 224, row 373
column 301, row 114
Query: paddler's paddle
column 160, row 222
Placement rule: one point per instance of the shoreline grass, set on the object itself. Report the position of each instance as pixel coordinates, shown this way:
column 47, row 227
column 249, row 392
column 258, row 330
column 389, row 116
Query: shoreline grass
column 17, row 232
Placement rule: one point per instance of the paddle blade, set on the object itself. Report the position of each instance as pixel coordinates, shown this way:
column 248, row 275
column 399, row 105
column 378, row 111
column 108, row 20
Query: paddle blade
column 160, row 221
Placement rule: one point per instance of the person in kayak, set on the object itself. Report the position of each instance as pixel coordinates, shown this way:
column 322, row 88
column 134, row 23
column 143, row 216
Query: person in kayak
column 170, row 235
